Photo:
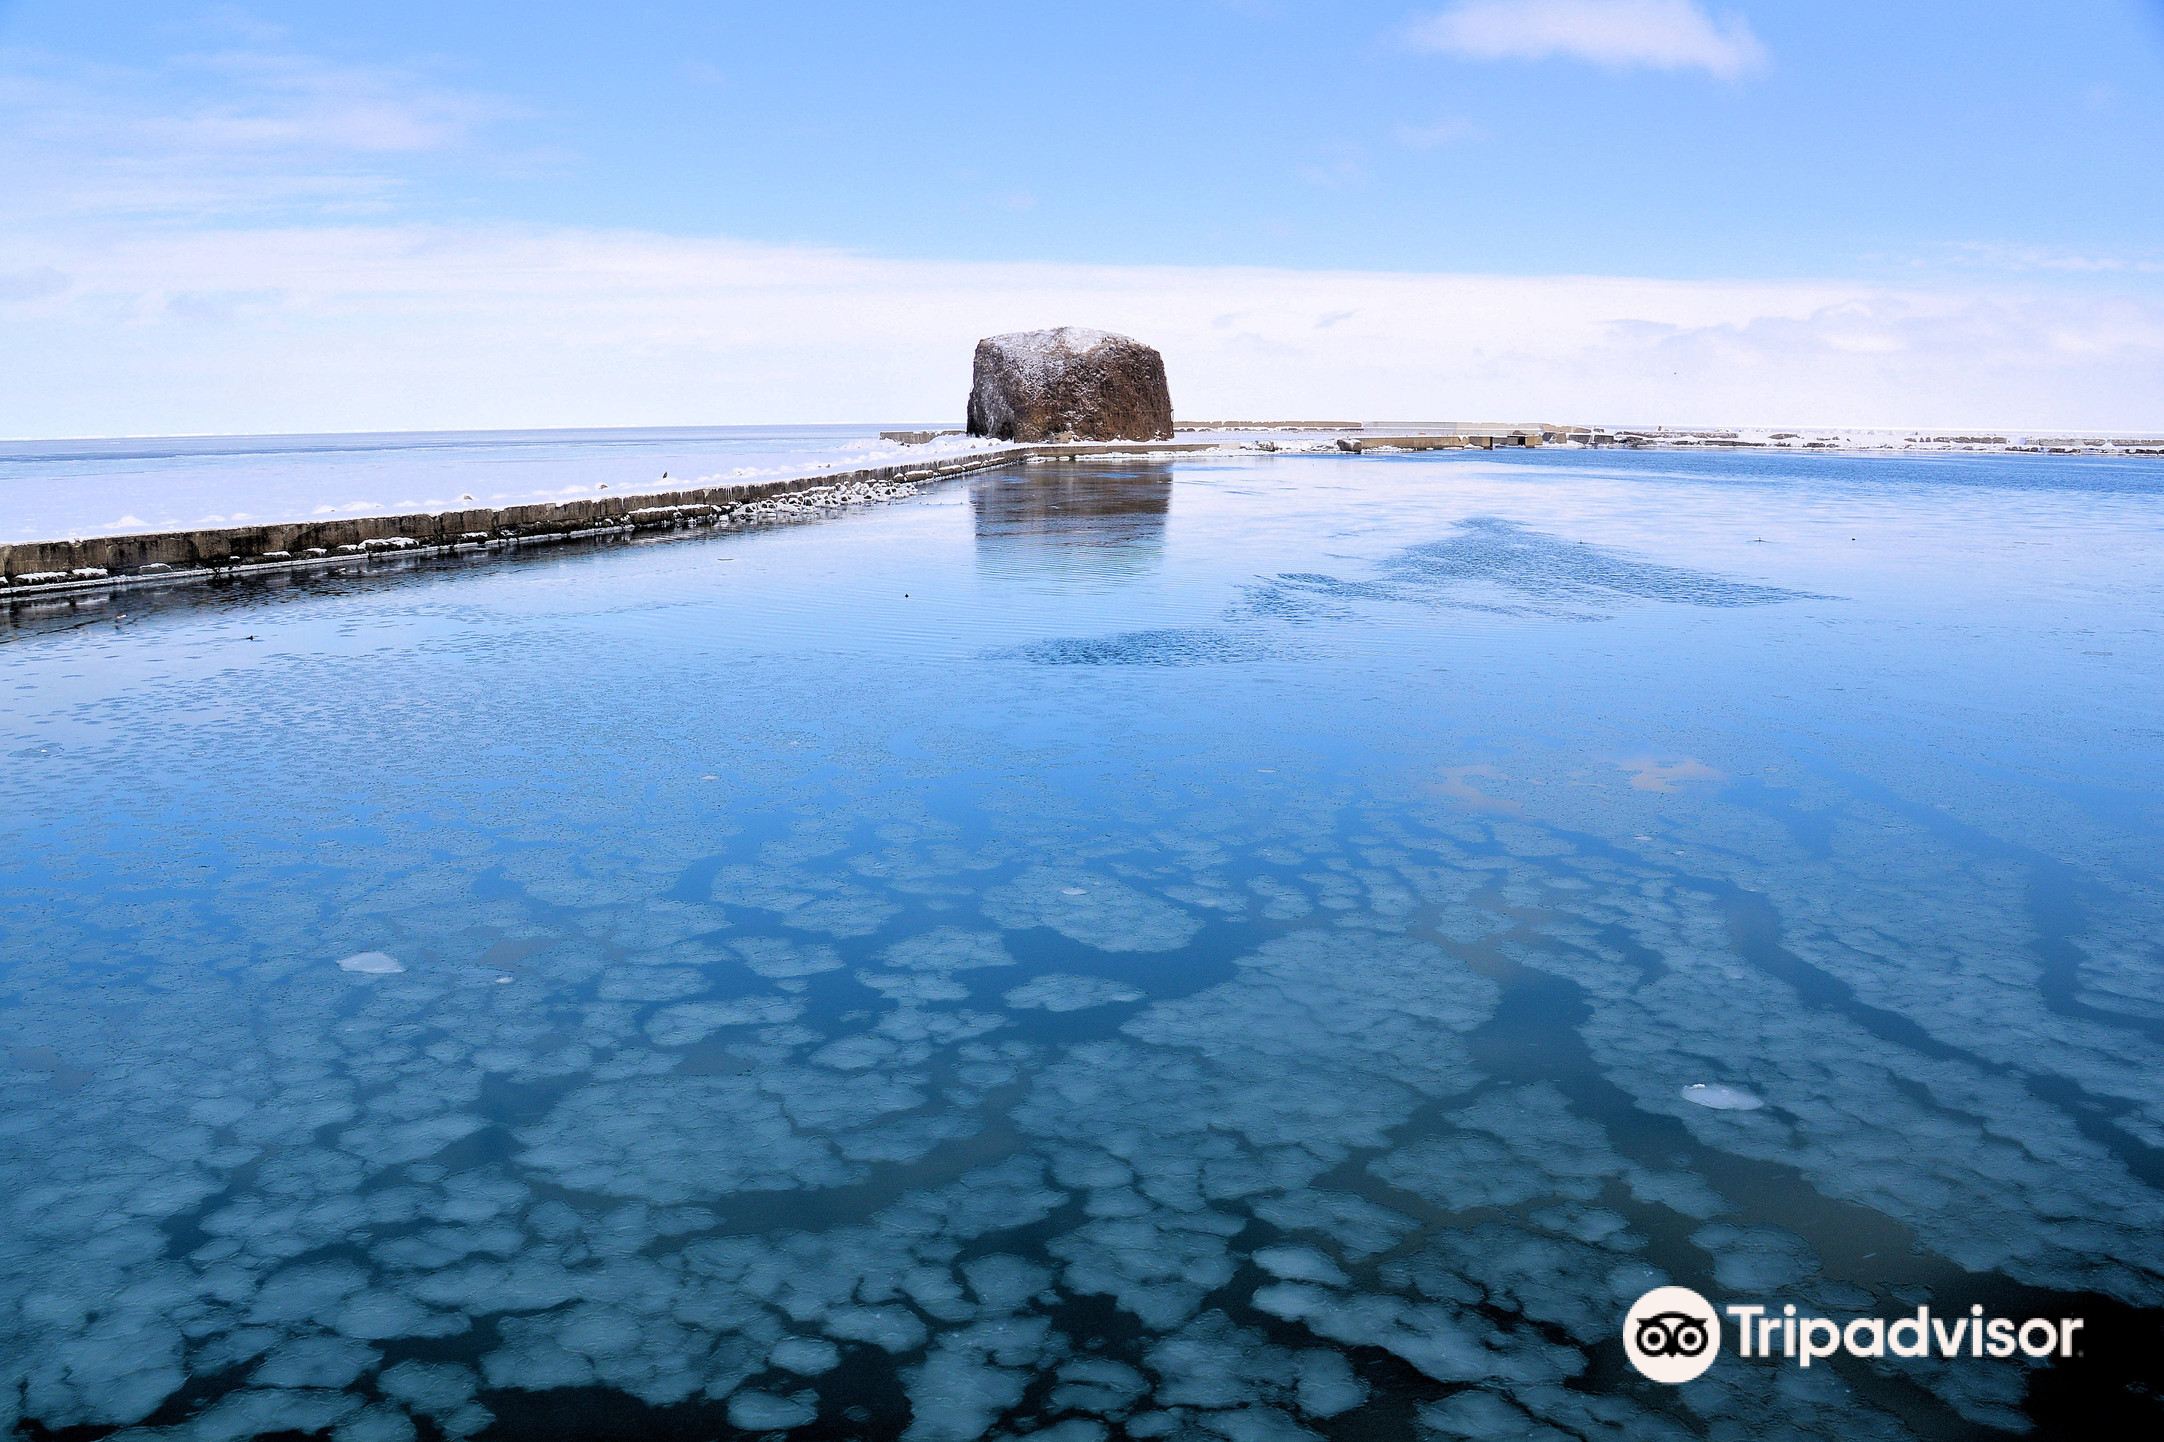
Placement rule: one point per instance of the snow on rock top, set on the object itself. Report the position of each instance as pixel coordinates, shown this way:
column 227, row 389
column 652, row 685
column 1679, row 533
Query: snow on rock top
column 1040, row 350
column 1069, row 383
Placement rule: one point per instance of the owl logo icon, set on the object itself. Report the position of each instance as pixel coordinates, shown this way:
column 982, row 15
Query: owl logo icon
column 1671, row 1334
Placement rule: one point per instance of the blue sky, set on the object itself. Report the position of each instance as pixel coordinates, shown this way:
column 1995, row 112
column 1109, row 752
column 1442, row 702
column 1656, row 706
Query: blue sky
column 233, row 217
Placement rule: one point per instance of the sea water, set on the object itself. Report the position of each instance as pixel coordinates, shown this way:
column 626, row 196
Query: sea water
column 1251, row 948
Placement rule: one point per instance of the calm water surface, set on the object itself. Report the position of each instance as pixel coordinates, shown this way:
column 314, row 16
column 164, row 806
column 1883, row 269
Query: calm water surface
column 1213, row 951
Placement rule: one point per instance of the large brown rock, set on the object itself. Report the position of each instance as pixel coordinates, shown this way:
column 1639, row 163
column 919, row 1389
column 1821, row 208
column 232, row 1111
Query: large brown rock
column 1069, row 384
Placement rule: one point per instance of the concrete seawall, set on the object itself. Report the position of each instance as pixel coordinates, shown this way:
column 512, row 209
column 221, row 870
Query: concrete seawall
column 39, row 570
column 36, row 569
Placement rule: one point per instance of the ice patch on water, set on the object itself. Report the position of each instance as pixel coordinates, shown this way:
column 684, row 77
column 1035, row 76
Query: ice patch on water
column 775, row 958
column 955, row 1394
column 946, row 949
column 1448, row 1343
column 1327, row 1386
column 371, row 963
column 1250, row 1387
column 765, row 1412
column 314, row 1362
column 1479, row 1415
column 1721, row 1098
column 1756, row 1261
column 253, row 1413
column 1055, row 991
column 1097, row 1384
column 1004, row 1283
column 1074, row 1429
column 1108, row 914
column 689, row 1022
column 1299, row 1264
column 436, row 1389
column 891, row 1329
column 375, row 1424
column 1359, row 1227
column 805, row 1356
column 914, row 988
column 685, row 1138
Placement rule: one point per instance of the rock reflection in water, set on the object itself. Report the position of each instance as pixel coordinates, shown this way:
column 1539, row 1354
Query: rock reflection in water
column 1063, row 519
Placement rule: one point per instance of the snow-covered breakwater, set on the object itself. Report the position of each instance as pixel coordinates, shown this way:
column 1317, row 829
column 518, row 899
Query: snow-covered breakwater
column 46, row 568
column 39, row 569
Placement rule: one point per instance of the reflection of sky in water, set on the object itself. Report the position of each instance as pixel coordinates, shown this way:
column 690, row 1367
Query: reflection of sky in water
column 853, row 982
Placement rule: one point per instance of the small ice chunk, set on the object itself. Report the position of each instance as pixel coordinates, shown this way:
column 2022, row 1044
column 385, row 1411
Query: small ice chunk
column 1004, row 1282
column 465, row 1420
column 1756, row 1261
column 805, row 1356
column 255, row 1412
column 1721, row 1098
column 774, row 958
column 1108, row 914
column 532, row 1360
column 954, row 1396
column 1257, row 1424
column 375, row 1315
column 764, row 1412
column 1299, row 1264
column 1056, row 991
column 436, row 1388
column 371, row 963
column 1474, row 1413
column 1097, row 1384
column 1327, row 1385
column 315, row 1362
column 1074, row 1429
column 948, row 949
column 377, row 1424
column 891, row 1329
column 1358, row 1227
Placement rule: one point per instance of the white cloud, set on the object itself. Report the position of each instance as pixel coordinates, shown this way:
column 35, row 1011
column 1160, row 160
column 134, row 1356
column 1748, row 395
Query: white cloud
column 221, row 132
column 1650, row 34
column 385, row 327
column 1996, row 256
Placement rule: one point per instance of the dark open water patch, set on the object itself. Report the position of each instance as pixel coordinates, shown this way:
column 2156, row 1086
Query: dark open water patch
column 1173, row 646
column 1497, row 566
column 1487, row 549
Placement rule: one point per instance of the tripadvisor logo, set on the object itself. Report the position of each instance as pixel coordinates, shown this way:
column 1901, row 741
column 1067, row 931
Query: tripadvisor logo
column 1671, row 1334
